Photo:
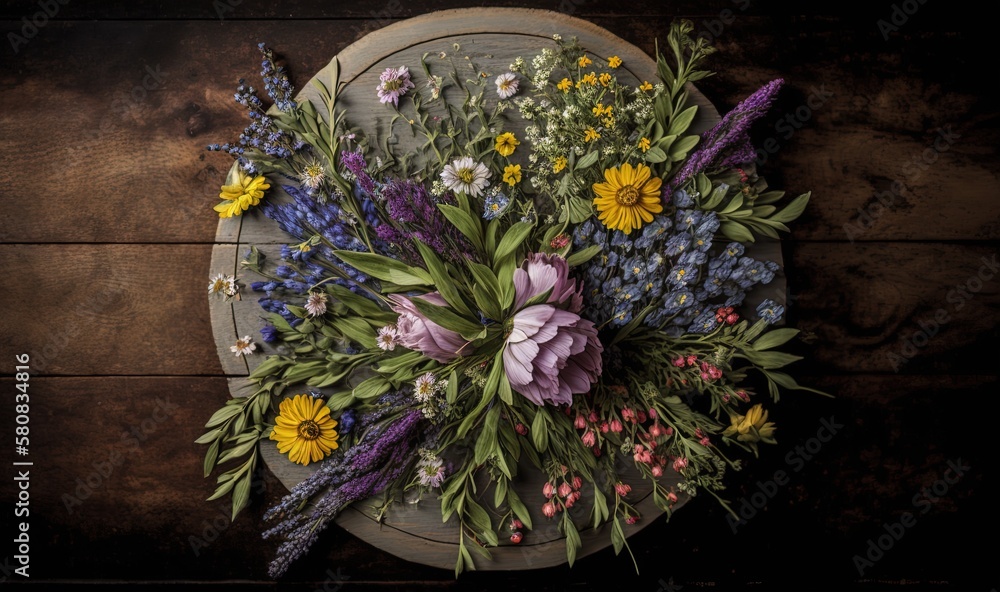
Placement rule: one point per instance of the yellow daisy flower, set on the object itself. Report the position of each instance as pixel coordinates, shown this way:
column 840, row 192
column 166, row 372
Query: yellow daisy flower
column 559, row 164
column 512, row 174
column 644, row 144
column 628, row 197
column 605, row 79
column 646, row 86
column 242, row 195
column 584, row 61
column 564, row 85
column 614, row 62
column 600, row 110
column 304, row 429
column 590, row 135
column 506, row 143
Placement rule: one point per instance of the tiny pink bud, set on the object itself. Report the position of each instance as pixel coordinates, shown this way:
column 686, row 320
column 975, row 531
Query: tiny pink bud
column 521, row 429
column 680, row 463
column 548, row 490
column 657, row 471
column 652, row 413
column 549, row 509
column 592, row 418
column 631, row 519
column 669, row 431
column 622, row 489
column 565, row 489
column 580, row 422
column 616, row 426
column 692, row 360
column 672, row 497
column 516, row 538
column 605, row 427
column 641, row 416
column 577, row 482
column 679, row 362
column 516, row 524
column 589, row 438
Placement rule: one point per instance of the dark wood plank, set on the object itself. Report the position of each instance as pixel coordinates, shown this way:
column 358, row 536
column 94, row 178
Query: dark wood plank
column 140, row 521
column 110, row 309
column 142, row 150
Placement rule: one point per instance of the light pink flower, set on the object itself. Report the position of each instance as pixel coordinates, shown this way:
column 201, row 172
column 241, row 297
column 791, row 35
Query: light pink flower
column 417, row 332
column 393, row 83
column 552, row 353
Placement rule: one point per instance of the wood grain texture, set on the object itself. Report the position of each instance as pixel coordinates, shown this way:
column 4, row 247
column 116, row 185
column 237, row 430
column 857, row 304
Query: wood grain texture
column 147, row 145
column 84, row 162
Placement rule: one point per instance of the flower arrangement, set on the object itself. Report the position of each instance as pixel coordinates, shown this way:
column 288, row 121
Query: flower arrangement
column 566, row 299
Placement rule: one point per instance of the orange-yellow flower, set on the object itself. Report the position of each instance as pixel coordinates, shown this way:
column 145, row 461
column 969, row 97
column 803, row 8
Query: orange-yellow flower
column 559, row 164
column 304, row 429
column 564, row 85
column 506, row 143
column 242, row 195
column 644, row 144
column 614, row 61
column 590, row 135
column 646, row 86
column 584, row 61
column 605, row 79
column 628, row 197
column 512, row 174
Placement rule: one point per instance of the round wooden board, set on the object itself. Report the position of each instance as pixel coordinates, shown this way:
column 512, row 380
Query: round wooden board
column 491, row 38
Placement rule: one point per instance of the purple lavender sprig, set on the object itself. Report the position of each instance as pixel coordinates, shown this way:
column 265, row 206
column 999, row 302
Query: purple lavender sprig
column 728, row 143
column 367, row 468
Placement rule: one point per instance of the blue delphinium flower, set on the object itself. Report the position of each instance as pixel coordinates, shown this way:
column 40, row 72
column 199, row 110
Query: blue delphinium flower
column 770, row 311
column 269, row 333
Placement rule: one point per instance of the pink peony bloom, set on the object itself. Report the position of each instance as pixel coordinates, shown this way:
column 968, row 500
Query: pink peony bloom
column 552, row 353
column 417, row 332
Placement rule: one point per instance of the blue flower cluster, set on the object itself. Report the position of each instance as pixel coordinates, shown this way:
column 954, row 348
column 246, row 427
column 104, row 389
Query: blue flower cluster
column 671, row 266
column 276, row 82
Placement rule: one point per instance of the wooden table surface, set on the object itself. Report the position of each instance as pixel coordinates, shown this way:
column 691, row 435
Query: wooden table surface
column 106, row 234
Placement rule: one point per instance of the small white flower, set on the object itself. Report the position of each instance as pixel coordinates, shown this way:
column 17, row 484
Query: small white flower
column 313, row 175
column 223, row 285
column 423, row 387
column 388, row 338
column 243, row 347
column 466, row 176
column 430, row 472
column 507, row 85
column 316, row 303
column 557, row 37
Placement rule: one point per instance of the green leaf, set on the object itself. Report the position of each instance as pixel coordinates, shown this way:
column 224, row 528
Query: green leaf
column 385, row 269
column 518, row 507
column 514, row 238
column 580, row 210
column 655, row 155
column 774, row 338
column 241, row 492
column 792, row 210
column 360, row 305
column 682, row 121
column 573, row 543
column 470, row 227
column 356, row 329
column 736, row 232
column 442, row 280
column 223, row 414
column 485, row 277
column 681, row 147
column 210, row 457
column 451, row 393
column 588, row 159
column 372, row 388
column 540, row 430
column 486, row 443
column 582, row 256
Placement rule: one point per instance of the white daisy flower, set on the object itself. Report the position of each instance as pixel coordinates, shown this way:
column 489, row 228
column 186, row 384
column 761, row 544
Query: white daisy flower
column 423, row 388
column 430, row 472
column 223, row 285
column 313, row 175
column 316, row 303
column 388, row 338
column 243, row 347
column 507, row 85
column 466, row 176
